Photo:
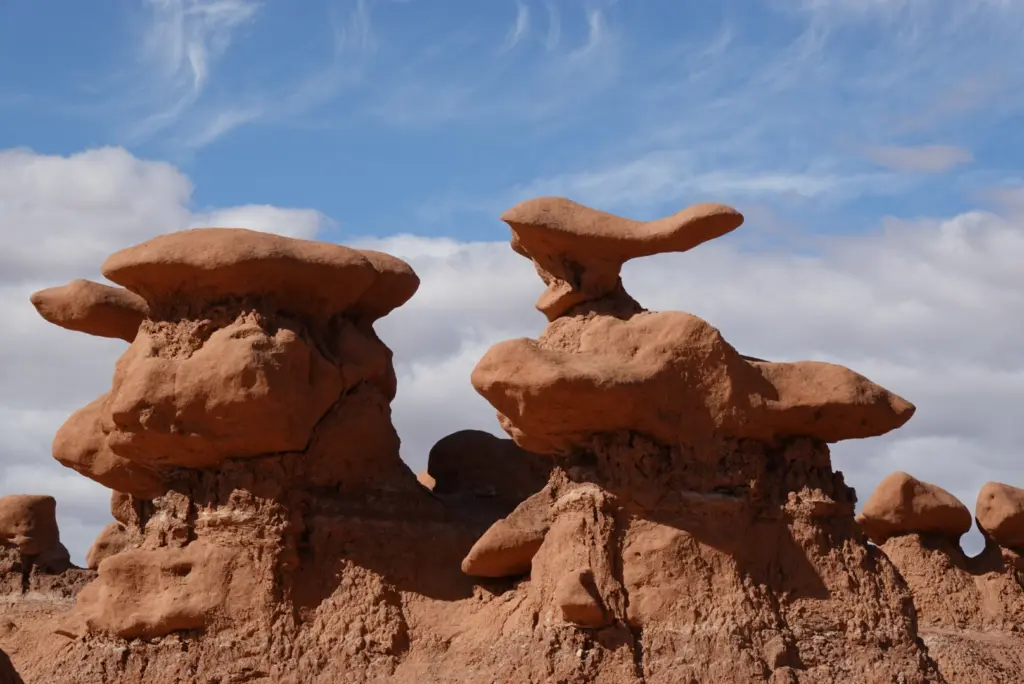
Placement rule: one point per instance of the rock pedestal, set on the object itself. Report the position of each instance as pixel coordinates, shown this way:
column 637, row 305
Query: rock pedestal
column 693, row 515
column 260, row 500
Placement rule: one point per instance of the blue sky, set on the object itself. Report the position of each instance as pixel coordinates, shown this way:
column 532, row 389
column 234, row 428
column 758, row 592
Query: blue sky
column 431, row 116
column 874, row 147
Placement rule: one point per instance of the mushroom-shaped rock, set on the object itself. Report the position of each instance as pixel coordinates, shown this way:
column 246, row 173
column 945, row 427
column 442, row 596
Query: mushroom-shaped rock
column 1000, row 513
column 579, row 251
column 576, row 596
column 209, row 264
column 507, row 548
column 112, row 539
column 902, row 504
column 28, row 522
column 673, row 377
column 474, row 461
column 81, row 445
column 92, row 308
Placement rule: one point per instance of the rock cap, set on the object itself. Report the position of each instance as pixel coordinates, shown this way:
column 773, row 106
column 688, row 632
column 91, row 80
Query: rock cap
column 580, row 251
column 314, row 278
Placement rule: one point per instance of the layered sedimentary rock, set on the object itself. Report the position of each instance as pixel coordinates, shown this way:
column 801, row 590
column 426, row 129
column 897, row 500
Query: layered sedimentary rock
column 970, row 609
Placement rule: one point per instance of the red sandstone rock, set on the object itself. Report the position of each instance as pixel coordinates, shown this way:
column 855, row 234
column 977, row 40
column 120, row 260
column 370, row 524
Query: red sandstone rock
column 394, row 285
column 208, row 264
column 902, row 504
column 112, row 540
column 29, row 523
column 508, row 547
column 670, row 376
column 579, row 251
column 85, row 306
column 577, row 601
column 426, row 480
column 1000, row 513
column 81, row 445
column 145, row 593
column 687, row 525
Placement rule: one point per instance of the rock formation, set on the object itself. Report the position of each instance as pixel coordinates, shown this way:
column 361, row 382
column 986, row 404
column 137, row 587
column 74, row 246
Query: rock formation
column 33, row 560
column 693, row 514
column 903, row 505
column 665, row 510
column 970, row 609
column 259, row 498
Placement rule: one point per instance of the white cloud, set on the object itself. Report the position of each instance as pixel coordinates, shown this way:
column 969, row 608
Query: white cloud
column 921, row 158
column 181, row 45
column 519, row 29
column 932, row 309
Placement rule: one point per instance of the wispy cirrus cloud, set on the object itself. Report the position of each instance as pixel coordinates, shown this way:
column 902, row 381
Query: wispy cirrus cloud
column 919, row 159
column 749, row 110
column 519, row 29
column 179, row 51
column 530, row 78
column 180, row 93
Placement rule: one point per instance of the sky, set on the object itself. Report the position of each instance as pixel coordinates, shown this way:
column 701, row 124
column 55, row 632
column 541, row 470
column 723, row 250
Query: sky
column 874, row 147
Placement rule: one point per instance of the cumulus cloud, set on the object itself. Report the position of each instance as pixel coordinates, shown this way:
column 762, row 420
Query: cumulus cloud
column 932, row 309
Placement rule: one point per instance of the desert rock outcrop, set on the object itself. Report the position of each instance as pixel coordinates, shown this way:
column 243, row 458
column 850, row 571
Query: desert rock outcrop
column 970, row 609
column 35, row 567
column 692, row 484
column 665, row 511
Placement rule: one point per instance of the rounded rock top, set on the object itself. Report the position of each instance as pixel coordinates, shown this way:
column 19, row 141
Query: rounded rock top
column 902, row 504
column 314, row 278
column 1000, row 513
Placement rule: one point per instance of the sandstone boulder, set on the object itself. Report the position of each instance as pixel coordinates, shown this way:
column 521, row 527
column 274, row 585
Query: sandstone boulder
column 478, row 463
column 1000, row 513
column 902, row 504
